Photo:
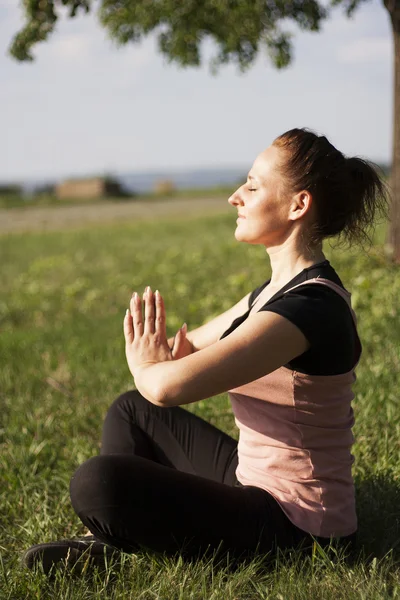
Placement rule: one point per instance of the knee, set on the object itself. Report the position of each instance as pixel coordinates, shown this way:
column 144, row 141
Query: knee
column 97, row 490
column 92, row 484
column 127, row 403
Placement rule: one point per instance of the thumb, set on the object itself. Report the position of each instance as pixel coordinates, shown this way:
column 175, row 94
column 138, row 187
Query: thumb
column 179, row 340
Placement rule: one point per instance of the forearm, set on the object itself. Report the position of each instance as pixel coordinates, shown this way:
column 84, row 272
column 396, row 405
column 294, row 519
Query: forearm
column 259, row 346
column 173, row 383
column 210, row 332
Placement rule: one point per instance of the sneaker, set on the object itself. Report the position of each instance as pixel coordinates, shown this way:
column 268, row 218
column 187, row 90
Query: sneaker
column 71, row 553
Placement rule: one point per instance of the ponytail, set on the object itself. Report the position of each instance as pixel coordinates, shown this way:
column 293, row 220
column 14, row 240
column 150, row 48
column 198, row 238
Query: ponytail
column 368, row 197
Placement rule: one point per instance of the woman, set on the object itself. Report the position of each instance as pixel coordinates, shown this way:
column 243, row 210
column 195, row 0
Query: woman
column 168, row 481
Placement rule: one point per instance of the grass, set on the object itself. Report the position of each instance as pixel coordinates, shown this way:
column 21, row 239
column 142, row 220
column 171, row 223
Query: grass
column 63, row 297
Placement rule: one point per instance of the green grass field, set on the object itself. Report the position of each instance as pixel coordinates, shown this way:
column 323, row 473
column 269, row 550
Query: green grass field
column 62, row 300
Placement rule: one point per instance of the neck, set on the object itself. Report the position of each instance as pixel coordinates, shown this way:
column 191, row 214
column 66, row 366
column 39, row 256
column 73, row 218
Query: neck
column 288, row 261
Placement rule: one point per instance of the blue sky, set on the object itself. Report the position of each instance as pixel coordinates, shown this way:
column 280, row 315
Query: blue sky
column 85, row 106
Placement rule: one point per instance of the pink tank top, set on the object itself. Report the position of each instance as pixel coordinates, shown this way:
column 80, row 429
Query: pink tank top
column 295, row 442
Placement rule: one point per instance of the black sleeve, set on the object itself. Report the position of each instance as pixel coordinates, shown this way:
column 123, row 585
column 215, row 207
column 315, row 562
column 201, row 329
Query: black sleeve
column 312, row 308
column 326, row 321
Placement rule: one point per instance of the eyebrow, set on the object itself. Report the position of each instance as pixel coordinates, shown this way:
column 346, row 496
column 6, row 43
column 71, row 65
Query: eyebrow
column 253, row 178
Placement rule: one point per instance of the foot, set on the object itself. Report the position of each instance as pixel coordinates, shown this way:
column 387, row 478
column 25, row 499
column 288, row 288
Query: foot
column 70, row 553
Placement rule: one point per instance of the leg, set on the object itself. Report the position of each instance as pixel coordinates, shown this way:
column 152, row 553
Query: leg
column 131, row 502
column 172, row 437
column 136, row 429
column 166, row 481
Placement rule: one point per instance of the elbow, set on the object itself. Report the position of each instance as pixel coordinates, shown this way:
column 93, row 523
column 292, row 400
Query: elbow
column 151, row 388
column 159, row 396
column 166, row 396
column 157, row 391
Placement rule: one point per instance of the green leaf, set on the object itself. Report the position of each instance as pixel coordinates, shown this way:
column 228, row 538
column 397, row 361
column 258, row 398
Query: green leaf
column 238, row 28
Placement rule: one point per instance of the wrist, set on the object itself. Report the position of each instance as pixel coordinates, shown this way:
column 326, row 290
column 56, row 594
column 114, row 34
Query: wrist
column 142, row 367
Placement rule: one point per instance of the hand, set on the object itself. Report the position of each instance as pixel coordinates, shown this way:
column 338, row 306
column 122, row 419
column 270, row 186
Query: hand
column 181, row 346
column 146, row 340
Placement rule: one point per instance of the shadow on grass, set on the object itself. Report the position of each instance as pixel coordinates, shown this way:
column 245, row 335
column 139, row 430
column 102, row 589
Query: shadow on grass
column 378, row 506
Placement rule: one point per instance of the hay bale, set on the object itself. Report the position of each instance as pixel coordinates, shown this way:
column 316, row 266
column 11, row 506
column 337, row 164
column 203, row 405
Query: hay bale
column 164, row 187
column 87, row 189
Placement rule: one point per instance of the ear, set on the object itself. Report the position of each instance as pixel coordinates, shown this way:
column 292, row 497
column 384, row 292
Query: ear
column 301, row 205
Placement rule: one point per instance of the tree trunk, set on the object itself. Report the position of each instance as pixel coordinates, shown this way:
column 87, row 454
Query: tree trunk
column 393, row 6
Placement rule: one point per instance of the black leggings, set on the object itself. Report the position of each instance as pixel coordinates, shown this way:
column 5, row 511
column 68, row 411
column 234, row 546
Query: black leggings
column 165, row 481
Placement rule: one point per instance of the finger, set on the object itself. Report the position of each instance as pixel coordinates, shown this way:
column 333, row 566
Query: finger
column 160, row 325
column 149, row 311
column 128, row 327
column 137, row 318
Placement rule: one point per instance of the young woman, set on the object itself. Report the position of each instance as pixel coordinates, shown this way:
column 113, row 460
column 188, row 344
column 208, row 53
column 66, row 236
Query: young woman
column 168, row 481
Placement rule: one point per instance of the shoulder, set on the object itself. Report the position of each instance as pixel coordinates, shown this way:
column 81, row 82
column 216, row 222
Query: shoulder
column 310, row 296
column 317, row 310
column 317, row 293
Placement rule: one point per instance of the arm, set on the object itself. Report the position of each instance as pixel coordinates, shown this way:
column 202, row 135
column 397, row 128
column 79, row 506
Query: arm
column 263, row 343
column 210, row 332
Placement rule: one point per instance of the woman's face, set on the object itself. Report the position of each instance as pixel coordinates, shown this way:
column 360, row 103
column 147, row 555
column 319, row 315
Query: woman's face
column 261, row 204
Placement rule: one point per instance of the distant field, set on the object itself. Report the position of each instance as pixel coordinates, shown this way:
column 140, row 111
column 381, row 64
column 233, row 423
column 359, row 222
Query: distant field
column 23, row 202
column 63, row 297
column 67, row 215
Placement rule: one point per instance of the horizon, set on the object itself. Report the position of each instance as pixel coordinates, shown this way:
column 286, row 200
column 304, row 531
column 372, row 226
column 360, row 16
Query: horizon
column 151, row 173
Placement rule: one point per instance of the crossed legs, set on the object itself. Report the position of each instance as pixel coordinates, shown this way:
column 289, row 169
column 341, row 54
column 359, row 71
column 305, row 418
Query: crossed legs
column 165, row 480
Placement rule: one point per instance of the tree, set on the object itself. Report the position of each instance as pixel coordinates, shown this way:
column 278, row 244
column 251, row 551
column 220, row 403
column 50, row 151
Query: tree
column 239, row 28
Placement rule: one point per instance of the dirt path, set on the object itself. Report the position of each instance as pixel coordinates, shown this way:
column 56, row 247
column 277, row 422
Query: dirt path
column 60, row 217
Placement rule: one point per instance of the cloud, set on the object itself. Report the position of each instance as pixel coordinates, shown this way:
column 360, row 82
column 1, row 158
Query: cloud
column 71, row 47
column 365, row 50
column 81, row 48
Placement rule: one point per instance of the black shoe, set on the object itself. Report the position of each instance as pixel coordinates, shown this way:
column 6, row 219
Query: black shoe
column 76, row 553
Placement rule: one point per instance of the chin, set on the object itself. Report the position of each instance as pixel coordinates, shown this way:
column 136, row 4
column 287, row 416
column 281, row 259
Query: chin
column 240, row 237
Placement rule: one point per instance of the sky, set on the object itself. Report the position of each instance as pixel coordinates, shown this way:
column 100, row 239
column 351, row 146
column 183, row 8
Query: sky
column 85, row 106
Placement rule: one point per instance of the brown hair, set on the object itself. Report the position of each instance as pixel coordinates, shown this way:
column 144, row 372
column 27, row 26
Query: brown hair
column 348, row 193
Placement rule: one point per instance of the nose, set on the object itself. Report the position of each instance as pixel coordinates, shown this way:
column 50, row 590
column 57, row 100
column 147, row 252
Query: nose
column 236, row 199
